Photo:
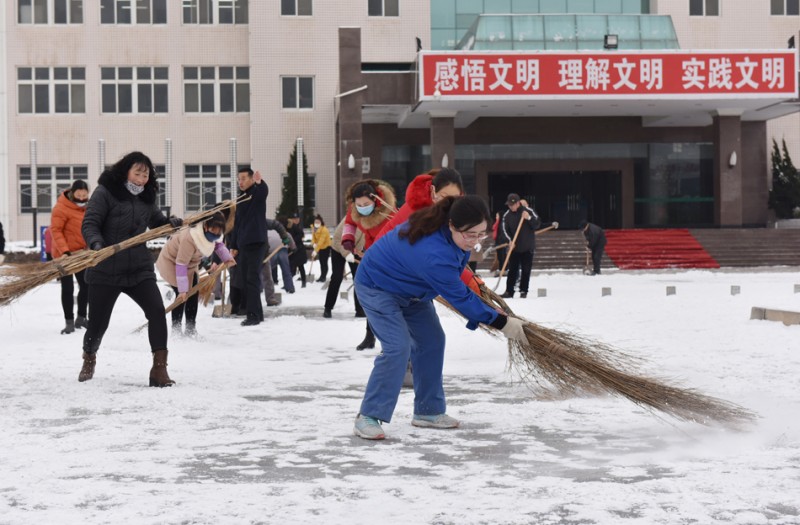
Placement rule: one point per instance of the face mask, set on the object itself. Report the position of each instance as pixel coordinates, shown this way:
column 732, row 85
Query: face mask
column 317, row 224
column 82, row 204
column 211, row 237
column 133, row 188
column 365, row 210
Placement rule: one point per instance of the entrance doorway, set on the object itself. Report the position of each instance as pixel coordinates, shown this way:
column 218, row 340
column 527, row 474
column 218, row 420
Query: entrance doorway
column 563, row 196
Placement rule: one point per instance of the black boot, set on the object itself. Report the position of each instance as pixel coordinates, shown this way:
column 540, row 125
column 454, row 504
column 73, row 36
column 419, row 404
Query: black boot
column 70, row 327
column 190, row 330
column 90, row 347
column 327, row 313
column 81, row 322
column 368, row 342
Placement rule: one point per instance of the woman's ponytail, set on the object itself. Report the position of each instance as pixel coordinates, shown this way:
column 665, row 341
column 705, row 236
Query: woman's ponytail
column 427, row 220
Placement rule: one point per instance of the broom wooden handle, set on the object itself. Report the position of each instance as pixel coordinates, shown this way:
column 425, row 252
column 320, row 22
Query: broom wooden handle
column 513, row 242
column 271, row 255
column 196, row 288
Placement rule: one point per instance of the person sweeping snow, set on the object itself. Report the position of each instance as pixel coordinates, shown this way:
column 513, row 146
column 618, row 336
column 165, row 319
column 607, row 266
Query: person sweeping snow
column 396, row 282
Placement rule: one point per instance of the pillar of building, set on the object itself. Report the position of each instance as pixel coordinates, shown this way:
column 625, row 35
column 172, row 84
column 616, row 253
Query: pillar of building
column 728, row 168
column 349, row 125
column 443, row 138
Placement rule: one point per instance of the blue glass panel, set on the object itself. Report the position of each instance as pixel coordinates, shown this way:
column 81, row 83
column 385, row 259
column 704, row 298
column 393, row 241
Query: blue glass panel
column 443, row 14
column 524, row 6
column 535, row 45
column 594, row 45
column 553, row 6
column 469, row 6
column 580, row 6
column 494, row 28
column 497, row 6
column 592, row 27
column 657, row 28
column 627, row 27
column 608, row 6
column 528, row 28
column 443, row 39
column 632, row 7
column 559, row 29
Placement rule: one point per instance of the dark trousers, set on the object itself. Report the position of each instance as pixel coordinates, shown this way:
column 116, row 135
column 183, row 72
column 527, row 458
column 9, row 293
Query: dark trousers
column 101, row 302
column 337, row 275
column 252, row 257
column 189, row 307
column 323, row 256
column 68, row 293
column 517, row 260
column 597, row 256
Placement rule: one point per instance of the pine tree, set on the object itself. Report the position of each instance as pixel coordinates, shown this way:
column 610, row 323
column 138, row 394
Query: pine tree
column 784, row 197
column 288, row 204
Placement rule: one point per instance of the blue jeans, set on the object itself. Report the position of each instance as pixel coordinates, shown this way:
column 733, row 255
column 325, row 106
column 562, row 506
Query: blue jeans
column 406, row 328
column 281, row 259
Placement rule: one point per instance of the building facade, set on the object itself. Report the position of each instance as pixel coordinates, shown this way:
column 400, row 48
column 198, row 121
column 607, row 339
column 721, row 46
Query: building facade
column 205, row 86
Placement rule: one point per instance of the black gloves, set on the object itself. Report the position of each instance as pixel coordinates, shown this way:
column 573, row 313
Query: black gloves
column 175, row 222
column 67, row 253
column 97, row 245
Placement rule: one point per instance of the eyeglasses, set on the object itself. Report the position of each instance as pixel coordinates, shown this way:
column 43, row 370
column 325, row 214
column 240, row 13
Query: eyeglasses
column 473, row 236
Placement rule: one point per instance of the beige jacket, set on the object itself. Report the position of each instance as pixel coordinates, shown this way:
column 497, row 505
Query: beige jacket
column 337, row 239
column 187, row 247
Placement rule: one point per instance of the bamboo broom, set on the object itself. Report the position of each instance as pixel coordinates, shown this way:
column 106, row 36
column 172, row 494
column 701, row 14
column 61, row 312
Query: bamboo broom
column 33, row 275
column 575, row 365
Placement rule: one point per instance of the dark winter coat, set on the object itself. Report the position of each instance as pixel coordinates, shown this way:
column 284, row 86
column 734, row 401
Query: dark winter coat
column 299, row 257
column 595, row 236
column 526, row 240
column 250, row 226
column 2, row 239
column 114, row 215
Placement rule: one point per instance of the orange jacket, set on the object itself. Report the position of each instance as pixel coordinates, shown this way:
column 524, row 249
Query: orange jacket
column 65, row 226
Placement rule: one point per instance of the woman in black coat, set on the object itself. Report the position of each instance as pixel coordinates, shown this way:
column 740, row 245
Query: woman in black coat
column 123, row 206
column 299, row 257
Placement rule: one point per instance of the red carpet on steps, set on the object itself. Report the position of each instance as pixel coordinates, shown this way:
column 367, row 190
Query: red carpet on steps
column 652, row 249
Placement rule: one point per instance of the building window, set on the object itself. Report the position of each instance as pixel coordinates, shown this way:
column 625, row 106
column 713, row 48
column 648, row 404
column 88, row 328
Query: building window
column 38, row 11
column 206, row 185
column 298, row 92
column 133, row 11
column 51, row 90
column 216, row 89
column 383, row 7
column 704, row 7
column 50, row 182
column 785, row 7
column 296, row 7
column 227, row 11
column 134, row 89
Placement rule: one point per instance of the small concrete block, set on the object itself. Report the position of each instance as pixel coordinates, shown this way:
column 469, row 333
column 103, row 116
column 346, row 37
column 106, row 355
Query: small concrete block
column 759, row 313
column 606, row 291
column 278, row 296
column 541, row 292
column 344, row 295
column 797, row 288
column 735, row 290
column 671, row 290
column 769, row 314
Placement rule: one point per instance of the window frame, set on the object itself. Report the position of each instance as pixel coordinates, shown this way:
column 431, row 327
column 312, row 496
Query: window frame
column 50, row 12
column 785, row 8
column 239, row 9
column 218, row 83
column 296, row 4
column 47, row 175
column 135, row 82
column 704, row 5
column 134, row 12
column 383, row 9
column 198, row 176
column 297, row 97
column 50, row 90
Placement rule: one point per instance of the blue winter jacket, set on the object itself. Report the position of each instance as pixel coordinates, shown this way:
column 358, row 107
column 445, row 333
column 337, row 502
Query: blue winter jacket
column 432, row 266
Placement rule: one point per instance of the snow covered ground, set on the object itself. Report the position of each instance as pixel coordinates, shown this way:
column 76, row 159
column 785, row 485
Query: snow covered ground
column 259, row 426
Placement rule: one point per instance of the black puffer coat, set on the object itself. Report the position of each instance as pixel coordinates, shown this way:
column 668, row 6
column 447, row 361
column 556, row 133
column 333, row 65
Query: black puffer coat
column 114, row 215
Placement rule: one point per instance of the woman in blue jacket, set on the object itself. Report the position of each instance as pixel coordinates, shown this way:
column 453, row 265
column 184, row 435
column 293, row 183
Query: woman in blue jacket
column 396, row 283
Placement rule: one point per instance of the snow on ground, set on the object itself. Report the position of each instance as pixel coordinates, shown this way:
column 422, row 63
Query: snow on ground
column 259, row 426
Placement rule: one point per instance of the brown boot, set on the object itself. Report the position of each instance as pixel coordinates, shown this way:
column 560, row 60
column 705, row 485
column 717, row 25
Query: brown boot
column 87, row 370
column 158, row 374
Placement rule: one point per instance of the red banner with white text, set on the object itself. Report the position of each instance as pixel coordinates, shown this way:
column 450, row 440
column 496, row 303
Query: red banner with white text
column 720, row 74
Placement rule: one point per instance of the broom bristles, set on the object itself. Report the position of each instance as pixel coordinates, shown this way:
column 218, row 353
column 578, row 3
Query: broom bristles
column 26, row 277
column 573, row 365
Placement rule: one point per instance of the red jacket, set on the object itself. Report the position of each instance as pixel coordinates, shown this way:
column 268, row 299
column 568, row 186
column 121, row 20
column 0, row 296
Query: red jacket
column 65, row 226
column 373, row 223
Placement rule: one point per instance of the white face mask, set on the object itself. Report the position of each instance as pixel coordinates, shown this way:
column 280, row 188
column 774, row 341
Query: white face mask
column 133, row 188
column 317, row 224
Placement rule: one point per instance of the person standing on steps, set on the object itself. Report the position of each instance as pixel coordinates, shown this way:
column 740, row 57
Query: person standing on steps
column 595, row 242
column 66, row 237
column 520, row 252
column 249, row 241
column 123, row 206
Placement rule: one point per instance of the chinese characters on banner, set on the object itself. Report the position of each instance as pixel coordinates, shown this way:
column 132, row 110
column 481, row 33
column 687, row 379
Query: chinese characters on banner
column 619, row 74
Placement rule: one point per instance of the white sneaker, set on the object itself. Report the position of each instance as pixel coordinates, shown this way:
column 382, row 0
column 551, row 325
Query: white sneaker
column 368, row 428
column 437, row 421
